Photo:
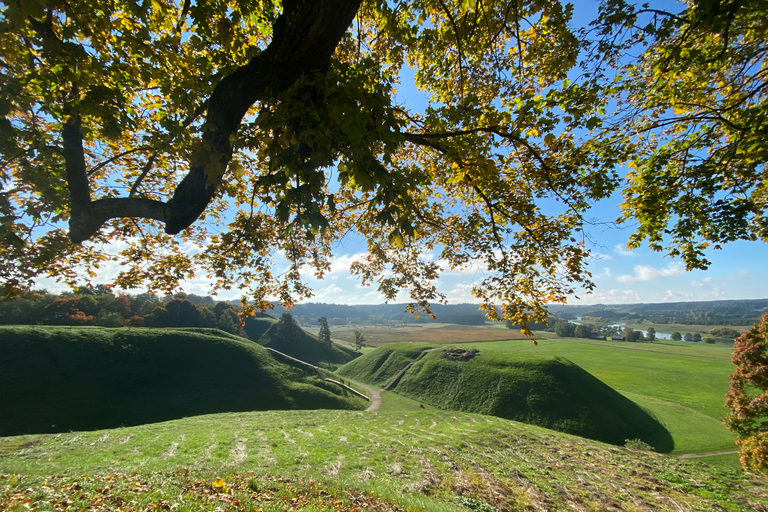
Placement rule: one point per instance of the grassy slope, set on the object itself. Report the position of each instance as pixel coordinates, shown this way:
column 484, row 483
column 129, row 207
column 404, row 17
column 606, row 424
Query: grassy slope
column 433, row 460
column 542, row 390
column 61, row 378
column 681, row 384
column 377, row 367
column 306, row 346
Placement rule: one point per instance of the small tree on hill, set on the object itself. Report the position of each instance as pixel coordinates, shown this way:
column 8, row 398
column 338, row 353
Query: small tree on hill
column 747, row 398
column 325, row 331
column 650, row 334
column 676, row 336
column 359, row 340
column 287, row 328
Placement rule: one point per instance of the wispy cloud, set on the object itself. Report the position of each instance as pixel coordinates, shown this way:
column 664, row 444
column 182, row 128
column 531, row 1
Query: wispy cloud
column 622, row 250
column 648, row 273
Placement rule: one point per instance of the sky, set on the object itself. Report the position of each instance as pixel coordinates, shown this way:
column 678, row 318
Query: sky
column 738, row 271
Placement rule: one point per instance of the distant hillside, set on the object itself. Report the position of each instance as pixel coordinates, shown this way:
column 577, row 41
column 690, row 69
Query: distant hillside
column 57, row 379
column 715, row 312
column 262, row 329
column 719, row 312
column 547, row 391
column 339, row 314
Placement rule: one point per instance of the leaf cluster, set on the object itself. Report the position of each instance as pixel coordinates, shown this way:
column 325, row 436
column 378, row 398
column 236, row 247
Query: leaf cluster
column 747, row 398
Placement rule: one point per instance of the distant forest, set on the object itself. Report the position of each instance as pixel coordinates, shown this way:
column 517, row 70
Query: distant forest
column 101, row 306
column 716, row 312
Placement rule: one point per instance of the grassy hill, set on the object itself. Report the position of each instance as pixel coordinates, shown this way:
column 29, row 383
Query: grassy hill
column 681, row 384
column 263, row 328
column 433, row 461
column 57, row 379
column 379, row 366
column 544, row 390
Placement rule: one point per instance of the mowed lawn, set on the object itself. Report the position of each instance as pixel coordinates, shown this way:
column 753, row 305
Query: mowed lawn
column 682, row 384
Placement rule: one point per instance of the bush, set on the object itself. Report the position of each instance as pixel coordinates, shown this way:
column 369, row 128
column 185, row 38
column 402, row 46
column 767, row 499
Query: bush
column 638, row 444
column 747, row 398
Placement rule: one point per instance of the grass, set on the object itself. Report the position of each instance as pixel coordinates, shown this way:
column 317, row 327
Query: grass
column 539, row 389
column 58, row 379
column 304, row 346
column 681, row 384
column 435, row 333
column 345, row 460
column 379, row 366
column 392, row 401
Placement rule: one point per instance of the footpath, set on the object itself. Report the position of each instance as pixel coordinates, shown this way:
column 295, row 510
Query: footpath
column 320, row 374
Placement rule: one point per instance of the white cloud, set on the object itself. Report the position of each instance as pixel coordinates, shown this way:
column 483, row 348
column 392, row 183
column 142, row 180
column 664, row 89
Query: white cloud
column 648, row 273
column 612, row 296
column 600, row 256
column 461, row 293
column 704, row 282
column 621, row 250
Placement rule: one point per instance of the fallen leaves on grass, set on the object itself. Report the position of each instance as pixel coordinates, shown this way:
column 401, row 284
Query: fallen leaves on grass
column 201, row 490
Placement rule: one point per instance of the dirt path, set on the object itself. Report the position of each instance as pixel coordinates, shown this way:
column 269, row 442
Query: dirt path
column 375, row 395
column 708, row 454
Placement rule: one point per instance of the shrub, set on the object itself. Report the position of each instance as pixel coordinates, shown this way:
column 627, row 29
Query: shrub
column 747, row 398
column 638, row 444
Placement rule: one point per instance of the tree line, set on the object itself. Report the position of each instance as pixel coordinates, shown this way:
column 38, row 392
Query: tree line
column 100, row 306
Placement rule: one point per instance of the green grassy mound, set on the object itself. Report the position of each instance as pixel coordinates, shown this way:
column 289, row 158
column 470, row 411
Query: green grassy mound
column 56, row 379
column 379, row 366
column 304, row 346
column 548, row 391
column 433, row 461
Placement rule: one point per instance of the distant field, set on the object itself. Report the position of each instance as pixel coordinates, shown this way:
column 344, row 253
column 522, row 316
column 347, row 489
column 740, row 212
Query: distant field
column 681, row 384
column 426, row 333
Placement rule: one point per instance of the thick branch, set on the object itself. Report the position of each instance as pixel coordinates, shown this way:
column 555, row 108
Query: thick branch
column 305, row 37
column 84, row 223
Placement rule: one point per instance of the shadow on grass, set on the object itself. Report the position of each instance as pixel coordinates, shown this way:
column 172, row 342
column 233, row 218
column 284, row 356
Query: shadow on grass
column 57, row 379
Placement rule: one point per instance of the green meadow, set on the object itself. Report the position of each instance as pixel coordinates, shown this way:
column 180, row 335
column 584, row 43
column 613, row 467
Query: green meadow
column 444, row 439
column 681, row 384
column 425, row 460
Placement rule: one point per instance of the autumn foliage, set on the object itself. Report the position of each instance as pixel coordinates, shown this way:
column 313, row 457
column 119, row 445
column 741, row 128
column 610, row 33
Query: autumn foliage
column 748, row 396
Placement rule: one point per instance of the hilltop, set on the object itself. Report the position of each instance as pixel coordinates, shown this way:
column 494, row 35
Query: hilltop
column 543, row 390
column 263, row 329
column 57, row 379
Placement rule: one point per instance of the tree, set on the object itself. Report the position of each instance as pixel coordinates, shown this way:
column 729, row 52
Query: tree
column 676, row 336
column 724, row 332
column 226, row 323
column 359, row 340
column 650, row 334
column 747, row 397
column 183, row 313
column 688, row 337
column 564, row 329
column 287, row 328
column 692, row 120
column 697, row 337
column 325, row 331
column 158, row 126
column 582, row 331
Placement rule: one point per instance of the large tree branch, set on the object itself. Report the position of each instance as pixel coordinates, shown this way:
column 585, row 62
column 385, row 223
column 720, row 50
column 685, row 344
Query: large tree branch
column 305, row 36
